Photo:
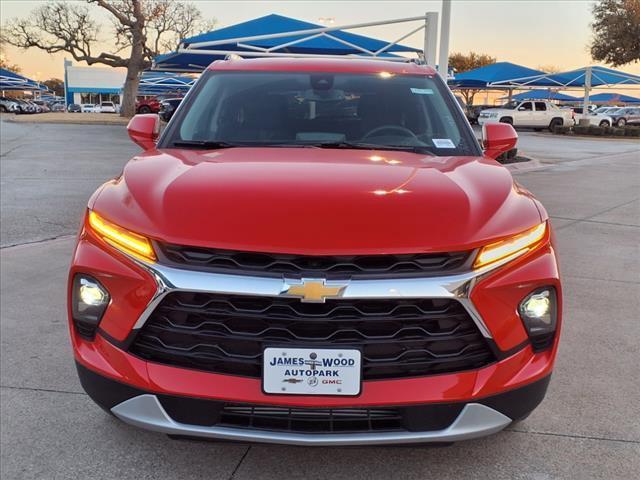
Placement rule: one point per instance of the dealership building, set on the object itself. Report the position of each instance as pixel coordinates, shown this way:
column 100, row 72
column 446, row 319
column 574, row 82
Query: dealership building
column 93, row 85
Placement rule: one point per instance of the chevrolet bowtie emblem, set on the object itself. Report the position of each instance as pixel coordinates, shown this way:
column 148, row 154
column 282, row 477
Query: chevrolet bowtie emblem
column 316, row 291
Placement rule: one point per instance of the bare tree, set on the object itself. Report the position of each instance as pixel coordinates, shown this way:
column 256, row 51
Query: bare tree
column 142, row 30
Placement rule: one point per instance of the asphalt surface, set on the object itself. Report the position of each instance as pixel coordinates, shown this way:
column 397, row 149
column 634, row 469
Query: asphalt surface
column 587, row 427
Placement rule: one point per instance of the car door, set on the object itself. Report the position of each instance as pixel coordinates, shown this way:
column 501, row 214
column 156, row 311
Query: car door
column 525, row 116
column 540, row 116
column 634, row 116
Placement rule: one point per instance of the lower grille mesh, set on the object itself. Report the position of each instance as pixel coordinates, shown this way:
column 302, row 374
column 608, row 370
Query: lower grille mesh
column 227, row 334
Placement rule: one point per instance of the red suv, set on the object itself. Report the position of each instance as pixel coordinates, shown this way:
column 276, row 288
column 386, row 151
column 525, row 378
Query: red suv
column 316, row 252
column 148, row 105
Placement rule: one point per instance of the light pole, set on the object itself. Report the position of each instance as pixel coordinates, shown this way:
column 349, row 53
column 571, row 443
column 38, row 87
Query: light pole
column 443, row 57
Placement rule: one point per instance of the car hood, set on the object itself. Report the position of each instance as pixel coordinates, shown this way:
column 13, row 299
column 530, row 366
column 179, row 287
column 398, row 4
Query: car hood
column 317, row 201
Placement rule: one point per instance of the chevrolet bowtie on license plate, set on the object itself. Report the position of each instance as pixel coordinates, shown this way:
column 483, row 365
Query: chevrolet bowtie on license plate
column 309, row 371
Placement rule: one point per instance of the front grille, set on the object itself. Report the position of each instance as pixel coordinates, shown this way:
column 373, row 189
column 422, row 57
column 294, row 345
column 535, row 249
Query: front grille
column 227, row 333
column 306, row 420
column 323, row 266
column 417, row 418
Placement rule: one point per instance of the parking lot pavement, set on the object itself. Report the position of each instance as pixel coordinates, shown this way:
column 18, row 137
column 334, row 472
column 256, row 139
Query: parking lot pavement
column 48, row 172
column 587, row 427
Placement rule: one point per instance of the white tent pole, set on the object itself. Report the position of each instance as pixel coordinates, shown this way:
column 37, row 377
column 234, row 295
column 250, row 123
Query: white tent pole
column 430, row 38
column 443, row 56
column 587, row 88
column 288, row 55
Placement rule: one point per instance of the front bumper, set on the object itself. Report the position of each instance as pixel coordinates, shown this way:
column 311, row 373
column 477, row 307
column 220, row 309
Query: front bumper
column 156, row 412
column 492, row 299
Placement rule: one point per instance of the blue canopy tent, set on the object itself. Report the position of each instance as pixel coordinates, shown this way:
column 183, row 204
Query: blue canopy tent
column 506, row 73
column 544, row 95
column 587, row 76
column 613, row 98
column 13, row 81
column 269, row 36
column 158, row 83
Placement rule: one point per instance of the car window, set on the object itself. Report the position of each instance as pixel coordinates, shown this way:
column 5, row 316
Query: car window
column 526, row 106
column 541, row 106
column 302, row 108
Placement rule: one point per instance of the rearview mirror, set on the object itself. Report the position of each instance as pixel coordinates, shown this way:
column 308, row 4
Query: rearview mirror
column 144, row 130
column 498, row 138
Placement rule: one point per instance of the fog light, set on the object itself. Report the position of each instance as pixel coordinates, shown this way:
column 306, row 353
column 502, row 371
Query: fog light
column 91, row 293
column 89, row 302
column 539, row 314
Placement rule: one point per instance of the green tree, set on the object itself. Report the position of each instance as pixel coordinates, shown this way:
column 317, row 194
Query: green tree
column 4, row 62
column 55, row 85
column 616, row 32
column 461, row 62
column 140, row 30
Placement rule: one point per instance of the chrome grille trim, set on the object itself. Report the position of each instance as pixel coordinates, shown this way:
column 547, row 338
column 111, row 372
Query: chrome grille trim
column 457, row 286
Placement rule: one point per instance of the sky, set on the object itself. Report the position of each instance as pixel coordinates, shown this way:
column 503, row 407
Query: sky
column 532, row 33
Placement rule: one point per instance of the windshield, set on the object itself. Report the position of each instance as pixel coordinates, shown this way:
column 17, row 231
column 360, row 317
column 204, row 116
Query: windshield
column 510, row 105
column 338, row 110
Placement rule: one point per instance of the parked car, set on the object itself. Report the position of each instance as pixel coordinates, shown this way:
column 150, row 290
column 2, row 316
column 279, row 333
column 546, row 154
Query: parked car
column 605, row 110
column 599, row 119
column 44, row 107
column 74, row 108
column 25, row 106
column 271, row 254
column 57, row 107
column 168, row 108
column 90, row 108
column 8, row 105
column 148, row 105
column 625, row 116
column 537, row 115
column 473, row 112
column 107, row 107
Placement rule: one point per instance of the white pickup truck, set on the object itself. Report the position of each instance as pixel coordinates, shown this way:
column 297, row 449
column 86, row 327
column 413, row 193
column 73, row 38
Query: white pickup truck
column 531, row 114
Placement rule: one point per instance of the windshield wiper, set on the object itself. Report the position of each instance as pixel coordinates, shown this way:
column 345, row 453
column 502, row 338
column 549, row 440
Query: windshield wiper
column 207, row 144
column 374, row 146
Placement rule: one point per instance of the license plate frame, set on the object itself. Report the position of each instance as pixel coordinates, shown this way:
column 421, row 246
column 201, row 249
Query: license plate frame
column 347, row 383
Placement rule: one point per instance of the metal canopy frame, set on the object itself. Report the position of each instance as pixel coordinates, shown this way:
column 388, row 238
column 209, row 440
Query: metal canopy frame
column 428, row 55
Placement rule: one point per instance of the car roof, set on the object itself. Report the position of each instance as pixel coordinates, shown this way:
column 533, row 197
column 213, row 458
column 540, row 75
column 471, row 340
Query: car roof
column 289, row 64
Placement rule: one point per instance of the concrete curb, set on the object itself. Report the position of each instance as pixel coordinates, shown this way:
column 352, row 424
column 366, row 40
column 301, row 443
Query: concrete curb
column 532, row 164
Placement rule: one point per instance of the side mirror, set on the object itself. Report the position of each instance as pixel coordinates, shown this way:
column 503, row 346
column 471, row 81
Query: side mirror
column 498, row 138
column 144, row 130
column 521, row 109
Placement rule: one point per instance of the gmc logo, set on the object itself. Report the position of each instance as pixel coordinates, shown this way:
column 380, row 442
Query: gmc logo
column 331, row 381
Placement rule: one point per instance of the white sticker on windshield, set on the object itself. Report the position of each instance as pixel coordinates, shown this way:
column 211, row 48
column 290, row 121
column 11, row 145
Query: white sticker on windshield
column 443, row 143
column 422, row 91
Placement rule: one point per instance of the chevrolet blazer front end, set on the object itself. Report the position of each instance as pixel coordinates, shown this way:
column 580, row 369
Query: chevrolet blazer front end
column 316, row 252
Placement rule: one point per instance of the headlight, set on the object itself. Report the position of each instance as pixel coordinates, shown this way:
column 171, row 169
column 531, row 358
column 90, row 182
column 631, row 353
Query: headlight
column 539, row 312
column 89, row 300
column 511, row 247
column 121, row 238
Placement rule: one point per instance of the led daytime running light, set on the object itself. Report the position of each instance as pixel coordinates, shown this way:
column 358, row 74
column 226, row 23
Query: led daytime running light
column 122, row 239
column 511, row 247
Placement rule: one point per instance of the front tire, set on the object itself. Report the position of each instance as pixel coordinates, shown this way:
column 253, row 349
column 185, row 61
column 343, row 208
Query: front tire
column 556, row 122
column 621, row 122
column 3, row 109
column 144, row 109
column 508, row 120
column 604, row 123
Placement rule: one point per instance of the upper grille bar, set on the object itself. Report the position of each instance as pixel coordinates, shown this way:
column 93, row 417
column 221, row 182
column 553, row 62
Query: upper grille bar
column 315, row 266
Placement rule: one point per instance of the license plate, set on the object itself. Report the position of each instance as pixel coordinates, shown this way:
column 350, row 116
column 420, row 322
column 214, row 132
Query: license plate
column 311, row 371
